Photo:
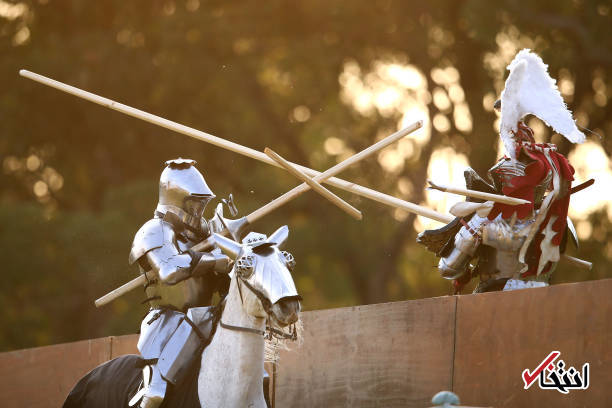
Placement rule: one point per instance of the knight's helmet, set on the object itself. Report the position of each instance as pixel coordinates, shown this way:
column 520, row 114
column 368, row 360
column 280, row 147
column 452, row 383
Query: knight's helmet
column 183, row 192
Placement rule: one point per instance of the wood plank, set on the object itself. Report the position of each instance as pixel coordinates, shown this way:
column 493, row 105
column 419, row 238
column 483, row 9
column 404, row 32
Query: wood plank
column 42, row 377
column 396, row 354
column 501, row 334
column 121, row 345
column 386, row 355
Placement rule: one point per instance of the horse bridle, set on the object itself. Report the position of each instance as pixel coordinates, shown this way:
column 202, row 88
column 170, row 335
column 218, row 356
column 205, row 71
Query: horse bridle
column 271, row 331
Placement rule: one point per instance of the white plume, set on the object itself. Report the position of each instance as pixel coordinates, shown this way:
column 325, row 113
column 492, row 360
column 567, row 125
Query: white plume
column 530, row 90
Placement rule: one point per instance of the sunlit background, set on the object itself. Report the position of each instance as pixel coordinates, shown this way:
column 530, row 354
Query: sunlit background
column 317, row 81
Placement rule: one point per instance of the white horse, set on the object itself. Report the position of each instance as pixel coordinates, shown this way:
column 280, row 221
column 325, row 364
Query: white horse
column 261, row 289
column 261, row 295
column 262, row 299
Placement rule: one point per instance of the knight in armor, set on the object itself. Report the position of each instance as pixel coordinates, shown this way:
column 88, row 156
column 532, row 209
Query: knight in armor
column 180, row 280
column 514, row 246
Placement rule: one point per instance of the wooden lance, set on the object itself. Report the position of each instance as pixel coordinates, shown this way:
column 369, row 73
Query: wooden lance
column 285, row 198
column 498, row 198
column 235, row 147
column 246, row 151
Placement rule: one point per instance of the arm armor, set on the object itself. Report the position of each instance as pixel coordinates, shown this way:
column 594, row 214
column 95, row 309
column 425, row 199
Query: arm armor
column 467, row 241
column 204, row 262
column 171, row 265
column 156, row 240
column 440, row 241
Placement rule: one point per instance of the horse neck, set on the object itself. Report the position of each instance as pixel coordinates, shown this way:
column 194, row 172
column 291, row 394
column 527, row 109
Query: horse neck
column 231, row 373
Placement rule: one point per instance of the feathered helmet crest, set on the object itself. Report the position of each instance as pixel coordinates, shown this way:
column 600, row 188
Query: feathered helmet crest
column 529, row 89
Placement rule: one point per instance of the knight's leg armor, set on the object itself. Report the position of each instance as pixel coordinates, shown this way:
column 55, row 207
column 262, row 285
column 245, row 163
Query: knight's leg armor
column 507, row 237
column 467, row 241
column 155, row 390
column 186, row 344
column 175, row 340
column 156, row 331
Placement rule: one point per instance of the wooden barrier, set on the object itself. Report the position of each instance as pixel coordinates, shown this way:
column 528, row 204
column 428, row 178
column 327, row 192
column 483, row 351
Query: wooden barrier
column 392, row 355
column 401, row 354
column 42, row 377
column 501, row 334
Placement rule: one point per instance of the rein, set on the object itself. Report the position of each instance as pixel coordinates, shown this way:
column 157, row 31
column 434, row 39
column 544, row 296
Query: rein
column 272, row 332
column 240, row 328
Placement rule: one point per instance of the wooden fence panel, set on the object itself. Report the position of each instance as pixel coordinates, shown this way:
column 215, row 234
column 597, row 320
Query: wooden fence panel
column 395, row 354
column 387, row 355
column 501, row 334
column 42, row 377
column 121, row 345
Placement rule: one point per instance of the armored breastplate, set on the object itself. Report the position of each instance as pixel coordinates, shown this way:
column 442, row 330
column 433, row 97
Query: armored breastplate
column 185, row 294
column 158, row 247
column 502, row 173
column 191, row 292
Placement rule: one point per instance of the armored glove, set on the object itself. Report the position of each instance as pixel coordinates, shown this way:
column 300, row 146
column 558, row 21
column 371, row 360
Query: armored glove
column 205, row 262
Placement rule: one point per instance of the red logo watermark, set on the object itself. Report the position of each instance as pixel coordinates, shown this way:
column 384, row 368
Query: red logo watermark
column 559, row 378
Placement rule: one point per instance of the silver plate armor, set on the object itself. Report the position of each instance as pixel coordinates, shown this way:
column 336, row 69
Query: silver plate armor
column 507, row 238
column 157, row 248
column 182, row 349
column 162, row 244
column 184, row 192
column 148, row 237
column 503, row 238
column 158, row 241
column 261, row 261
column 467, row 241
column 166, row 335
column 506, row 169
column 515, row 284
column 155, row 331
column 179, row 279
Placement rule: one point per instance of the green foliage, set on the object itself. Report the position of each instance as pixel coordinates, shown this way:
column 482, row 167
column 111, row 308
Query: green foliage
column 239, row 70
column 56, row 264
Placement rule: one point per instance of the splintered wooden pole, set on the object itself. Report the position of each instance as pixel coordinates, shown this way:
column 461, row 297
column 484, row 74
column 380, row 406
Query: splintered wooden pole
column 343, row 205
column 498, row 198
column 226, row 144
column 235, row 147
column 326, row 175
column 579, row 263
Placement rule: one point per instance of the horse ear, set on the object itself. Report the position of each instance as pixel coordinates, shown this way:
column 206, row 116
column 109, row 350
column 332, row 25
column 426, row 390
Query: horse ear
column 279, row 236
column 230, row 247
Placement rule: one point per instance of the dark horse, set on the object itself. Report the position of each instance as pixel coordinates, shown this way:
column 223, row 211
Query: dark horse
column 112, row 385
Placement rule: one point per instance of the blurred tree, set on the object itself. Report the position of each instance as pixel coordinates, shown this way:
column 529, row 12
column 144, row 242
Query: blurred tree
column 313, row 80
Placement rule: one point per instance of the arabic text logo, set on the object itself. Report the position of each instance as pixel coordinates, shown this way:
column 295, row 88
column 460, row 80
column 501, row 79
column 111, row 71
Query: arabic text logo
column 560, row 379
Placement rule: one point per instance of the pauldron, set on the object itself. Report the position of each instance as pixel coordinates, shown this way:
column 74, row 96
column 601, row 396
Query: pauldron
column 157, row 239
column 502, row 173
column 153, row 234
